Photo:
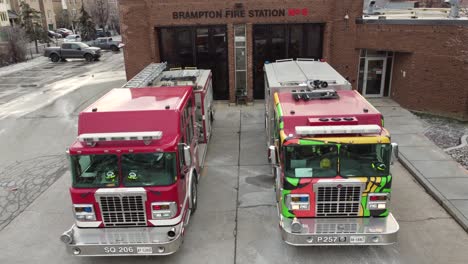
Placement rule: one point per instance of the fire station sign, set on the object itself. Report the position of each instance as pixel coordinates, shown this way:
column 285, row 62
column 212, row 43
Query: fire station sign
column 240, row 13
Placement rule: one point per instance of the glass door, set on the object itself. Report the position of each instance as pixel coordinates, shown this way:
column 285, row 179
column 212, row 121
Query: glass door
column 374, row 77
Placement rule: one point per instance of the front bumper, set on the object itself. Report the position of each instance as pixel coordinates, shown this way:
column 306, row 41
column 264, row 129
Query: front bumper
column 132, row 241
column 341, row 231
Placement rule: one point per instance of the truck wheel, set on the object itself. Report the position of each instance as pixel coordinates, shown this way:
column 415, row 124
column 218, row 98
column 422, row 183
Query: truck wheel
column 193, row 196
column 89, row 58
column 114, row 48
column 54, row 58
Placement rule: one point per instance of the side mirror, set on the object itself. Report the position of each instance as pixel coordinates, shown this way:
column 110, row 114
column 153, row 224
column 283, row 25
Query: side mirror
column 78, row 49
column 272, row 153
column 394, row 153
column 187, row 156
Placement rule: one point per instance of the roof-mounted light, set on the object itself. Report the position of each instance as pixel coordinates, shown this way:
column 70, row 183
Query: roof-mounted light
column 147, row 137
column 314, row 94
column 330, row 130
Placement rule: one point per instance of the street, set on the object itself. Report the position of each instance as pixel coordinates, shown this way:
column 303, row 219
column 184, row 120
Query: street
column 236, row 220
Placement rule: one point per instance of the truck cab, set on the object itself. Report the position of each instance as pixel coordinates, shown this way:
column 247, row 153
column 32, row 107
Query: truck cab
column 135, row 170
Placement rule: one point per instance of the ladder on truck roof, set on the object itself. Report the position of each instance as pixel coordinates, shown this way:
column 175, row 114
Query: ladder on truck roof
column 146, row 76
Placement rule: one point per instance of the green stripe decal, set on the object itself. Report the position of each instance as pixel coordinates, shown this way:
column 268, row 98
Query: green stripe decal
column 279, row 110
column 284, row 209
column 365, row 211
column 310, row 142
column 293, row 181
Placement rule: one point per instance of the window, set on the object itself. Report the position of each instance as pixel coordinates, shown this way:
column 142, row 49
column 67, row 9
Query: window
column 75, row 46
column 181, row 156
column 365, row 160
column 66, row 46
column 149, row 169
column 95, row 171
column 311, row 161
column 3, row 16
column 241, row 59
column 188, row 121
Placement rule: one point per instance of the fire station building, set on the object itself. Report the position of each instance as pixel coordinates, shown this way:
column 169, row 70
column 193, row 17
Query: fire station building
column 422, row 63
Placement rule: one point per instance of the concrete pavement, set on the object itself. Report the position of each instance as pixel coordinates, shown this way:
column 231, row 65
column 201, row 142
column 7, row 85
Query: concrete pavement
column 236, row 220
column 441, row 176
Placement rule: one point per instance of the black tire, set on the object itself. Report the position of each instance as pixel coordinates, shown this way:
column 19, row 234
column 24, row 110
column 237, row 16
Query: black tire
column 193, row 195
column 89, row 58
column 114, row 48
column 54, row 57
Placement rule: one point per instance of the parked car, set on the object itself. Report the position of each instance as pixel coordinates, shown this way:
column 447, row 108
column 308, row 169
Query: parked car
column 72, row 50
column 64, row 32
column 72, row 38
column 100, row 33
column 106, row 44
column 53, row 34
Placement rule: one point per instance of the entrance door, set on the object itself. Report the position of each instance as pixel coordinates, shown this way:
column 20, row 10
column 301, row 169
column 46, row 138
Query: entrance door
column 374, row 77
column 204, row 47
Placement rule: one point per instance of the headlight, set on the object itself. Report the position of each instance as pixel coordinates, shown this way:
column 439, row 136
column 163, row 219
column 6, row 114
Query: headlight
column 297, row 201
column 84, row 212
column 377, row 201
column 163, row 210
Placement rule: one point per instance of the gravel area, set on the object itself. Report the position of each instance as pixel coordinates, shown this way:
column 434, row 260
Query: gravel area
column 460, row 155
column 446, row 133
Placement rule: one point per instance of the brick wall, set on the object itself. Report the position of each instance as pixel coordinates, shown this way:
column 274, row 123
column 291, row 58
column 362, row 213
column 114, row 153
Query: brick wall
column 433, row 57
column 430, row 68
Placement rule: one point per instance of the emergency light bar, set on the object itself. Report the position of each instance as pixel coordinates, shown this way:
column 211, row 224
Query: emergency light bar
column 92, row 139
column 327, row 130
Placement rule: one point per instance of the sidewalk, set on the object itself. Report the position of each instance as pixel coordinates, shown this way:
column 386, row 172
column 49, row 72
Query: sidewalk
column 438, row 173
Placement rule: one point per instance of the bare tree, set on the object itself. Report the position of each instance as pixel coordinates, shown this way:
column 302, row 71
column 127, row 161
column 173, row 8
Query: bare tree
column 99, row 10
column 114, row 22
column 15, row 42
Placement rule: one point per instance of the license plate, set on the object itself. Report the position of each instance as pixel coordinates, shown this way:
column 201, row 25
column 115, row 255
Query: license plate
column 357, row 239
column 128, row 250
column 144, row 250
column 327, row 239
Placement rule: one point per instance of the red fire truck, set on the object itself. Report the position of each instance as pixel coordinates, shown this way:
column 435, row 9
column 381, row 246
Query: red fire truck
column 331, row 158
column 156, row 75
column 135, row 168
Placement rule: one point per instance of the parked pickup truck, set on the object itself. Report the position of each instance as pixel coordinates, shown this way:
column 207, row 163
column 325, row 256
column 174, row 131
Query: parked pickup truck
column 106, row 43
column 73, row 50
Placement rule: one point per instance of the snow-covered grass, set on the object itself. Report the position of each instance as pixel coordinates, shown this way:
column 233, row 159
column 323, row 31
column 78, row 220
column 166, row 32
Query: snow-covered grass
column 23, row 65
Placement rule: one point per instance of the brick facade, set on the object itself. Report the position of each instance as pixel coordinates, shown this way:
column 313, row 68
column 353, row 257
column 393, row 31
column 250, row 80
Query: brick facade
column 430, row 67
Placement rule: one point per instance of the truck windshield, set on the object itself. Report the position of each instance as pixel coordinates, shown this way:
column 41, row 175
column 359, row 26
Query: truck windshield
column 311, row 161
column 149, row 169
column 365, row 159
column 90, row 171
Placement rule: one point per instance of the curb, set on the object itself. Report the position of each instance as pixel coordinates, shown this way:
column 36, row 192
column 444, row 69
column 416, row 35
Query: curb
column 434, row 192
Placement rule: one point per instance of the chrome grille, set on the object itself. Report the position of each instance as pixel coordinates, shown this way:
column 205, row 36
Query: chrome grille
column 338, row 199
column 334, row 228
column 122, row 209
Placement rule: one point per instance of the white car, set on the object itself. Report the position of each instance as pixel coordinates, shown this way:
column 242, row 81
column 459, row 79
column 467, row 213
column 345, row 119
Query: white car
column 72, row 38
